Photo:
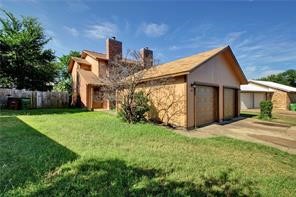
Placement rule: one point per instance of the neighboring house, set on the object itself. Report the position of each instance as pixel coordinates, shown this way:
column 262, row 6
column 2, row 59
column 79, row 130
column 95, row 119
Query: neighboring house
column 256, row 91
column 201, row 89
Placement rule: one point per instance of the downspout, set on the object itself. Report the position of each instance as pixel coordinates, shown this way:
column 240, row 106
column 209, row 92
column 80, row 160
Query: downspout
column 194, row 86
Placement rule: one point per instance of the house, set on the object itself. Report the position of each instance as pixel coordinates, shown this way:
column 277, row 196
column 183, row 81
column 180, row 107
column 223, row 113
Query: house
column 256, row 91
column 201, row 89
column 88, row 72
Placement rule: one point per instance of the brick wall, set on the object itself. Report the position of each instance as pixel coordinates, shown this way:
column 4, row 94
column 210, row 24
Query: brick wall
column 113, row 48
column 280, row 100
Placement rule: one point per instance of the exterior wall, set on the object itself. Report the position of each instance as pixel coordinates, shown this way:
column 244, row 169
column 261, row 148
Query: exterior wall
column 75, row 92
column 87, row 94
column 103, row 71
column 94, row 65
column 167, row 99
column 84, row 92
column 216, row 72
column 281, row 100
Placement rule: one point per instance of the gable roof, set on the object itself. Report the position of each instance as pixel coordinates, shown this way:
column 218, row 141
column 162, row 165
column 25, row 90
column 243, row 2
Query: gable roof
column 94, row 55
column 78, row 60
column 274, row 85
column 186, row 65
column 89, row 77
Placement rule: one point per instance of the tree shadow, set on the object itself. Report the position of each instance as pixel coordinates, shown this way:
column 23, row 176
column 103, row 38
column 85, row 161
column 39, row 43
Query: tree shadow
column 115, row 178
column 26, row 155
column 44, row 111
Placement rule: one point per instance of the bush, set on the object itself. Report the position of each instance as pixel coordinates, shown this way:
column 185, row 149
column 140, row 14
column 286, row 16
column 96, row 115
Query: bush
column 266, row 109
column 134, row 107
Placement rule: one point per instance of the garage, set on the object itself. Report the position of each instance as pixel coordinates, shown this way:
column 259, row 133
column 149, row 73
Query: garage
column 229, row 102
column 207, row 105
column 247, row 100
column 251, row 100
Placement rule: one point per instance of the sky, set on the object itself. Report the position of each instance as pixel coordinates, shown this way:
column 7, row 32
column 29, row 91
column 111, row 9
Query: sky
column 262, row 35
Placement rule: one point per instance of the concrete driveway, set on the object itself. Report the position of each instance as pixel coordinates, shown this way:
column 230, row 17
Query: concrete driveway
column 281, row 136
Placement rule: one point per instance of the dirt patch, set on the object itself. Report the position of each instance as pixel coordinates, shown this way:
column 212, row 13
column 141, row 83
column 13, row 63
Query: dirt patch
column 275, row 140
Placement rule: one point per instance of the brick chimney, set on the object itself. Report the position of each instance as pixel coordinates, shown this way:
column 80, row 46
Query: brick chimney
column 147, row 56
column 113, row 48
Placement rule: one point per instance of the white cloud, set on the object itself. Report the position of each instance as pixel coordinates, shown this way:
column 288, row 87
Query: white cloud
column 234, row 36
column 101, row 30
column 73, row 31
column 154, row 29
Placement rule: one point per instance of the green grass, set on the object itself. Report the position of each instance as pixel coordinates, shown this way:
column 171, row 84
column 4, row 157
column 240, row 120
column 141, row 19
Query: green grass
column 276, row 117
column 76, row 153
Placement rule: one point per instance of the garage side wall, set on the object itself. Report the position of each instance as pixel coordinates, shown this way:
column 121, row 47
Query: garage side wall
column 217, row 72
column 167, row 100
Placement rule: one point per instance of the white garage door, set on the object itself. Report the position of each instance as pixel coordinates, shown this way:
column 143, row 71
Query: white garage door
column 246, row 100
column 258, row 97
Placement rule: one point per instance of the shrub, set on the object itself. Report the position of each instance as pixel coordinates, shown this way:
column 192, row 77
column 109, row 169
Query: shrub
column 266, row 109
column 134, row 107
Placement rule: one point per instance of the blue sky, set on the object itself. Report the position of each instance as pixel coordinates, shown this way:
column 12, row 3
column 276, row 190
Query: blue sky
column 261, row 34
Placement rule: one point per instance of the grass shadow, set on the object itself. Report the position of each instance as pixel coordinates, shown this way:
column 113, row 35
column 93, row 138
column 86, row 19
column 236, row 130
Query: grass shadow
column 115, row 178
column 26, row 155
column 42, row 111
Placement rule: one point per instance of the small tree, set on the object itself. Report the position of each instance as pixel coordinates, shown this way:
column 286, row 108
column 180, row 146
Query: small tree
column 63, row 79
column 266, row 109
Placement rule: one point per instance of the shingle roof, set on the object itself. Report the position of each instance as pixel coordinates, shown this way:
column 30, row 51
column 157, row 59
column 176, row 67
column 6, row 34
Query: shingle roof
column 78, row 60
column 90, row 77
column 95, row 55
column 275, row 85
column 183, row 65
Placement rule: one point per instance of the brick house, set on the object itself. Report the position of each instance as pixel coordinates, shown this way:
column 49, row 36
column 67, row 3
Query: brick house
column 203, row 88
column 256, row 91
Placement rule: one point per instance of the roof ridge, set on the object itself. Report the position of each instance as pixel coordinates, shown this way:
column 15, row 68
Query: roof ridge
column 93, row 51
column 200, row 53
column 274, row 85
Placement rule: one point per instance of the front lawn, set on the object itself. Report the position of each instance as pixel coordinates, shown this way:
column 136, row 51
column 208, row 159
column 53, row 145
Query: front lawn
column 78, row 153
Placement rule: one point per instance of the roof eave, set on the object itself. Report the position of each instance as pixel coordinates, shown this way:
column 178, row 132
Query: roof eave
column 165, row 76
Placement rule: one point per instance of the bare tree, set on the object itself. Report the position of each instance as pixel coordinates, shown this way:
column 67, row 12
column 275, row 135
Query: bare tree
column 131, row 74
column 124, row 78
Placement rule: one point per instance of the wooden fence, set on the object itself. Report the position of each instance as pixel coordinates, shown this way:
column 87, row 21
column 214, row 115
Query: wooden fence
column 38, row 99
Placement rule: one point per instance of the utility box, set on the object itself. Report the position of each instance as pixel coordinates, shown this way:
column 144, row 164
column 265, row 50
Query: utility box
column 26, row 103
column 293, row 106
